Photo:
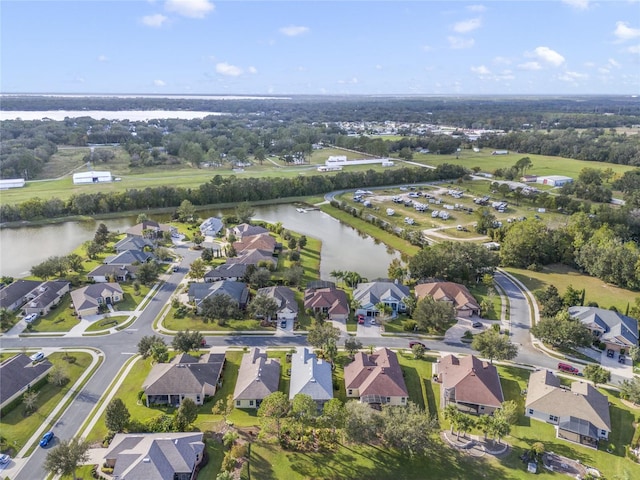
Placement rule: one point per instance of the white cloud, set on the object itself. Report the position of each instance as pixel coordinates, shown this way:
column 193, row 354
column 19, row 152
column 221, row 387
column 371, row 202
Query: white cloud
column 460, row 43
column 155, row 21
column 613, row 63
column 467, row 26
column 577, row 4
column 481, row 70
column 252, row 70
column 294, row 30
column 351, row 81
column 379, row 67
column 476, row 8
column 501, row 61
column 530, row 66
column 572, row 77
column 634, row 49
column 159, row 83
column 190, row 8
column 224, row 68
column 624, row 32
column 102, row 58
column 589, row 64
column 548, row 56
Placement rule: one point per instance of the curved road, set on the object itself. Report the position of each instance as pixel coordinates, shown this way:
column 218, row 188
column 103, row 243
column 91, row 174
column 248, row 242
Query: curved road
column 119, row 347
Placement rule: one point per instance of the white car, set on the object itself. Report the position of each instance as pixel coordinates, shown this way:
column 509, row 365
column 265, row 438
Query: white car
column 31, row 317
column 36, row 357
column 4, row 459
column 373, row 321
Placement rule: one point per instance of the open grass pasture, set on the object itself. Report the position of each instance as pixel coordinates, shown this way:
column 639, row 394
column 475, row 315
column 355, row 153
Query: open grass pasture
column 561, row 276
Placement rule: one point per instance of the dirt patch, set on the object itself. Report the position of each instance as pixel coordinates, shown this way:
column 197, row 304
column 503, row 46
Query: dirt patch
column 475, row 445
column 560, row 464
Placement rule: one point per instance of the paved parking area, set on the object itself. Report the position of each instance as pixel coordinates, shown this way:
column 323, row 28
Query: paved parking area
column 616, row 368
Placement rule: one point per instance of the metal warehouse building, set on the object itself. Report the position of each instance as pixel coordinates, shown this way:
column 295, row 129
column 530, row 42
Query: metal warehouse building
column 91, row 177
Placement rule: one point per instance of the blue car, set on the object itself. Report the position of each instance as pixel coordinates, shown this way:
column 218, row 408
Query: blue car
column 46, row 438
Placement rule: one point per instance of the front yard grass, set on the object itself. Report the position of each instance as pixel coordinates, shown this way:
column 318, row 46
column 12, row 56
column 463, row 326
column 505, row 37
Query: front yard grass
column 106, row 323
column 16, row 427
column 479, row 292
column 60, row 319
column 196, row 322
column 132, row 297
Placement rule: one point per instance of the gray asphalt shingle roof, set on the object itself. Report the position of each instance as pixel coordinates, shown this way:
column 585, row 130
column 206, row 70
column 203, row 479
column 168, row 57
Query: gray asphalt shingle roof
column 618, row 328
column 258, row 376
column 17, row 372
column 310, row 376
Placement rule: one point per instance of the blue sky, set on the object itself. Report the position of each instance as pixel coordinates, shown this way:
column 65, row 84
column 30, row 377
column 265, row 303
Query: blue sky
column 320, row 47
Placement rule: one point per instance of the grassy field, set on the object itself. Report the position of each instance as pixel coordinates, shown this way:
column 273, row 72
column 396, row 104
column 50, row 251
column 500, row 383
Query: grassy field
column 17, row 427
column 60, row 319
column 561, row 276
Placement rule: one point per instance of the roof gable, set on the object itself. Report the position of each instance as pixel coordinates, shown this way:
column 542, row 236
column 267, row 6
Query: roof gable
column 310, row 376
column 475, row 381
column 376, row 374
column 258, row 376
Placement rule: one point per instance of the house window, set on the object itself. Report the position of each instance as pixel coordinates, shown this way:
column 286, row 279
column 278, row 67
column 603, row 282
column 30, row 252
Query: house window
column 197, row 398
column 388, row 399
column 251, row 403
column 100, row 301
column 481, row 407
column 350, row 392
column 603, row 433
column 531, row 411
column 237, row 403
column 403, row 400
column 553, row 418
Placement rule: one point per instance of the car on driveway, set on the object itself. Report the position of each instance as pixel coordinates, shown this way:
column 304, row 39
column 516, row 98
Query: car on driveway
column 373, row 321
column 46, row 439
column 4, row 459
column 31, row 317
column 283, row 324
column 476, row 324
column 622, row 359
column 36, row 357
column 610, row 353
column 414, row 343
column 360, row 319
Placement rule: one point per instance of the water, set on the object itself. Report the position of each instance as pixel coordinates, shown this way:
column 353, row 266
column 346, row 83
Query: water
column 343, row 248
column 131, row 115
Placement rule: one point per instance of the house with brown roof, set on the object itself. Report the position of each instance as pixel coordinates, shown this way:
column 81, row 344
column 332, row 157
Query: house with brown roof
column 329, row 301
column 376, row 379
column 473, row 385
column 258, row 377
column 580, row 413
column 246, row 230
column 157, row 456
column 254, row 257
column 263, row 241
column 184, row 377
column 453, row 293
column 149, row 229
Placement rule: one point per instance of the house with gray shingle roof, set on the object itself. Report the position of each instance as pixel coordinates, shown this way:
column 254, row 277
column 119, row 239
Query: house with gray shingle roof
column 106, row 273
column 245, row 230
column 155, row 456
column 132, row 243
column 238, row 292
column 17, row 374
column 211, row 226
column 149, row 229
column 14, row 295
column 376, row 379
column 580, row 413
column 42, row 299
column 617, row 331
column 184, row 377
column 473, row 385
column 285, row 298
column 370, row 294
column 254, row 257
column 258, row 377
column 130, row 257
column 87, row 300
column 226, row 271
column 310, row 376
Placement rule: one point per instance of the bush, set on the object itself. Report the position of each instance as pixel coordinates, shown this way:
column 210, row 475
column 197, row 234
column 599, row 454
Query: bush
column 602, row 346
column 409, row 325
column 239, row 450
column 294, row 255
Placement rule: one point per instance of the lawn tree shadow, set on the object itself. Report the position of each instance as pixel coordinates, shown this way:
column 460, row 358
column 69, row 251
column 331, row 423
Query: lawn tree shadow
column 563, row 448
column 432, row 405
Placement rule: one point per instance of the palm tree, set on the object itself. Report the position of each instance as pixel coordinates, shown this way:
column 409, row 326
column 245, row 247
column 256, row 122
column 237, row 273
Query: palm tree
column 337, row 274
column 384, row 312
column 451, row 413
column 484, row 424
column 465, row 422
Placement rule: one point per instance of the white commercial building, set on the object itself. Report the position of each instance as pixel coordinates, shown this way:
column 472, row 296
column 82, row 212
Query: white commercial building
column 341, row 160
column 554, row 180
column 11, row 183
column 91, row 177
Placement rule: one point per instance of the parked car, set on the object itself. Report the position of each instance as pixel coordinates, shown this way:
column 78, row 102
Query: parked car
column 373, row 321
column 565, row 367
column 46, row 439
column 610, row 353
column 476, row 324
column 4, row 459
column 360, row 319
column 36, row 357
column 414, row 343
column 622, row 359
column 203, row 342
column 283, row 324
column 31, row 317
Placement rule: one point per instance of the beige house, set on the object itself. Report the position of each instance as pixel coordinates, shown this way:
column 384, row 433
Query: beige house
column 376, row 379
column 329, row 301
column 456, row 294
column 89, row 299
column 258, row 377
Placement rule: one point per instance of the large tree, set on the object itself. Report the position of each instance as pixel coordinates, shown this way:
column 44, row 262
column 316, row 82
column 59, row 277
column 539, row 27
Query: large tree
column 220, row 307
column 147, row 273
column 527, row 243
column 352, row 345
column 493, row 345
column 407, row 429
column 304, row 408
column 244, row 212
column 186, row 415
column 596, row 374
column 274, row 407
column 187, row 341
column 550, row 301
column 116, row 415
column 185, row 212
column 630, row 389
column 262, row 306
column 198, row 269
column 321, row 334
column 562, row 331
column 433, row 315
column 362, row 423
column 66, row 457
column 146, row 343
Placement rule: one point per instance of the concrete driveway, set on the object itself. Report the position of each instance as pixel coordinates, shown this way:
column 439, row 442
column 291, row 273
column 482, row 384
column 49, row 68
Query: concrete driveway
column 621, row 369
column 455, row 333
column 368, row 330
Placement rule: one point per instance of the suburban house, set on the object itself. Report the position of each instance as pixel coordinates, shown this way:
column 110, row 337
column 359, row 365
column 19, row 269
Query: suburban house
column 617, row 331
column 263, row 241
column 130, row 257
column 18, row 374
column 376, row 379
column 327, row 300
column 211, row 227
column 149, row 229
column 14, row 295
column 157, row 456
column 453, row 293
column 254, row 257
column 87, row 300
column 370, row 294
column 184, row 377
column 473, row 385
column 226, row 271
column 310, row 376
column 285, row 298
column 112, row 273
column 580, row 413
column 238, row 292
column 133, row 243
column 245, row 230
column 258, row 377
column 42, row 299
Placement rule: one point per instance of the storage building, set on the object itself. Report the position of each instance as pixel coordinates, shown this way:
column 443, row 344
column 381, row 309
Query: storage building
column 82, row 178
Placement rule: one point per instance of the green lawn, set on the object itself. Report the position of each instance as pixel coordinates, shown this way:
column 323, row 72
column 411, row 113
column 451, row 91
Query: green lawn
column 561, row 276
column 60, row 319
column 107, row 323
column 479, row 291
column 132, row 298
column 18, row 428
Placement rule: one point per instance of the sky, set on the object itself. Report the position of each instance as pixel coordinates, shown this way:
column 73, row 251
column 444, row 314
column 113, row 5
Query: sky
column 320, row 47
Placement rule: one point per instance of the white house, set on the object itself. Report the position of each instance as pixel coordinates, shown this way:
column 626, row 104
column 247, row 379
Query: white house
column 83, row 178
column 11, row 183
column 554, row 180
column 370, row 294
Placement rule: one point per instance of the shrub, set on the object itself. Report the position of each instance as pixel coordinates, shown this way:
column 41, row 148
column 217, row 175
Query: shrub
column 602, row 346
column 239, row 450
column 409, row 325
column 294, row 255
